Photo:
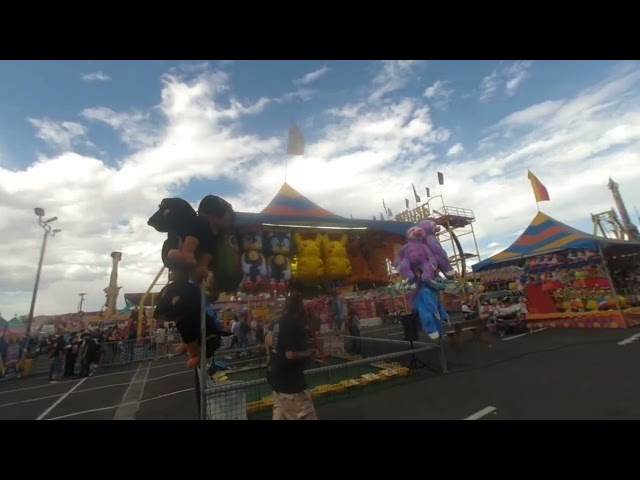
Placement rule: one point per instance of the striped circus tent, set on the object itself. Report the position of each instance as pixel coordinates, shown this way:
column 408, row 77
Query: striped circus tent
column 288, row 202
column 546, row 235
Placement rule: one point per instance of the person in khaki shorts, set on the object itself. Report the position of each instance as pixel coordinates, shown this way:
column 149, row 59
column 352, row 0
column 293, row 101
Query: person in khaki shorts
column 287, row 349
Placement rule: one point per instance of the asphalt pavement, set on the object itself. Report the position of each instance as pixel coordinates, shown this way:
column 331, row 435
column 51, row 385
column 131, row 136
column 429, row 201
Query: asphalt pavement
column 549, row 374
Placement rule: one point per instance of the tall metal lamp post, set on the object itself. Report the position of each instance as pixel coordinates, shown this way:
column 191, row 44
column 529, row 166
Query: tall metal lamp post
column 48, row 231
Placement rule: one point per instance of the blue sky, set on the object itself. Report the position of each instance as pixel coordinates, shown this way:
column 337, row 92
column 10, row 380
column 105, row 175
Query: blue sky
column 99, row 143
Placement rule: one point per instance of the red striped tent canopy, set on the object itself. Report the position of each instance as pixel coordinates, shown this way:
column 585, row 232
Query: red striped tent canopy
column 545, row 235
column 288, row 202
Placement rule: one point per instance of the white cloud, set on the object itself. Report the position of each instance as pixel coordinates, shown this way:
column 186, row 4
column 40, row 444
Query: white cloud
column 439, row 94
column 457, row 149
column 312, row 77
column 508, row 78
column 392, row 75
column 95, row 77
column 60, row 135
column 366, row 151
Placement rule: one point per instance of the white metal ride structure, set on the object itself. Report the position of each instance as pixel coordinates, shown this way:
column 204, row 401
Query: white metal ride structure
column 609, row 224
column 456, row 223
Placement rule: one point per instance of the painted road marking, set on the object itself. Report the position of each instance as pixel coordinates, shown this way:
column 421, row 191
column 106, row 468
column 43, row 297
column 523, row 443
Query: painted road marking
column 523, row 334
column 60, row 400
column 484, row 412
column 84, row 412
column 131, row 398
column 629, row 340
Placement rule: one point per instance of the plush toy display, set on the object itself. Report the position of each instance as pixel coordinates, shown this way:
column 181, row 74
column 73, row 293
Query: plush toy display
column 336, row 263
column 226, row 273
column 310, row 267
column 279, row 264
column 431, row 230
column 361, row 273
column 254, row 264
column 375, row 252
column 189, row 241
column 416, row 254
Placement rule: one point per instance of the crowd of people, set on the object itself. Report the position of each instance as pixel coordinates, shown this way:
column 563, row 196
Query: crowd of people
column 80, row 353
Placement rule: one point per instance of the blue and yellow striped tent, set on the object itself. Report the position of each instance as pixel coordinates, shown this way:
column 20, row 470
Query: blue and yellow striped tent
column 545, row 235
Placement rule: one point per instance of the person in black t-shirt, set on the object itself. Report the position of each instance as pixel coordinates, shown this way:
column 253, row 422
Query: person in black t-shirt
column 288, row 349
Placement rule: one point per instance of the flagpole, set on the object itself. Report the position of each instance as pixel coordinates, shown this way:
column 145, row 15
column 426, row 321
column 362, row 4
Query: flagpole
column 286, row 165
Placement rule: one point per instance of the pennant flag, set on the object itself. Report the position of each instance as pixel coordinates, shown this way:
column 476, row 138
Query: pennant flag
column 428, row 192
column 296, row 141
column 406, row 202
column 539, row 190
column 415, row 194
column 389, row 212
column 381, row 217
column 440, row 178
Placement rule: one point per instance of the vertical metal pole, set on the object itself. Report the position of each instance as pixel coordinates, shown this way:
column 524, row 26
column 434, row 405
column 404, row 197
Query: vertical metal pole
column 613, row 288
column 443, row 358
column 203, row 353
column 35, row 287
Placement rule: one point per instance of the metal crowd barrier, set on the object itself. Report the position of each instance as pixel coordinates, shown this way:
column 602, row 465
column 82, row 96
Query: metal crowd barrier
column 138, row 350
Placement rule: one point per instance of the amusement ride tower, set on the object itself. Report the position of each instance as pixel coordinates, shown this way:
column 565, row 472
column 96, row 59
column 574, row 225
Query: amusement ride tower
column 608, row 223
column 113, row 289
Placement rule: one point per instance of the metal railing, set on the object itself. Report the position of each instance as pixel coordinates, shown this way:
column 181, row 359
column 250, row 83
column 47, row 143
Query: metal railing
column 348, row 366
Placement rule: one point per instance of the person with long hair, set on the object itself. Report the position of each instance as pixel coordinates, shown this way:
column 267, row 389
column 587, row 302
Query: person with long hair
column 288, row 349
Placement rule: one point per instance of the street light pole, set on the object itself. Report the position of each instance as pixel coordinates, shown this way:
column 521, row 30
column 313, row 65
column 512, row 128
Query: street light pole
column 48, row 231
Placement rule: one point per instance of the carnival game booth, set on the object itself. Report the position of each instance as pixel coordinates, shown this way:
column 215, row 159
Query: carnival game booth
column 566, row 277
column 293, row 238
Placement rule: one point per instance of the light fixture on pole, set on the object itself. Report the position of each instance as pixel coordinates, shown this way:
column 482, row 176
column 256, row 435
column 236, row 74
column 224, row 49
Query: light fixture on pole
column 81, row 295
column 48, row 231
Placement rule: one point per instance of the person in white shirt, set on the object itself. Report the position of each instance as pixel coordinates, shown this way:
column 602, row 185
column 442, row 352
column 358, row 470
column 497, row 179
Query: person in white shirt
column 161, row 341
column 234, row 330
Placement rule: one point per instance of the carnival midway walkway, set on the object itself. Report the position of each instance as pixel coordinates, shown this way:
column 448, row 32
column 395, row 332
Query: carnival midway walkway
column 550, row 374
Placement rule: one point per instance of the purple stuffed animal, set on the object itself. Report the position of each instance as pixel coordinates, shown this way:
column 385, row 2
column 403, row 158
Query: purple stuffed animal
column 416, row 254
column 431, row 229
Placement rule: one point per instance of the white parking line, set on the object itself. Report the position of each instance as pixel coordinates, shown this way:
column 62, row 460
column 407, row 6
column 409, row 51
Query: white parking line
column 629, row 340
column 60, row 400
column 482, row 413
column 523, row 334
column 128, row 404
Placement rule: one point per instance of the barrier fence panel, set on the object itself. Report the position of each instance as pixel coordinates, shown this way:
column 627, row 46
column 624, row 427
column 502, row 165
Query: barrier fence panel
column 128, row 351
column 344, row 367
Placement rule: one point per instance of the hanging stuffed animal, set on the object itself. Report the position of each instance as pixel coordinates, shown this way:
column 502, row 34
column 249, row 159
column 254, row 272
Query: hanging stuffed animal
column 425, row 302
column 279, row 265
column 189, row 242
column 310, row 265
column 180, row 302
column 359, row 266
column 416, row 254
column 254, row 265
column 431, row 230
column 336, row 263
column 226, row 273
